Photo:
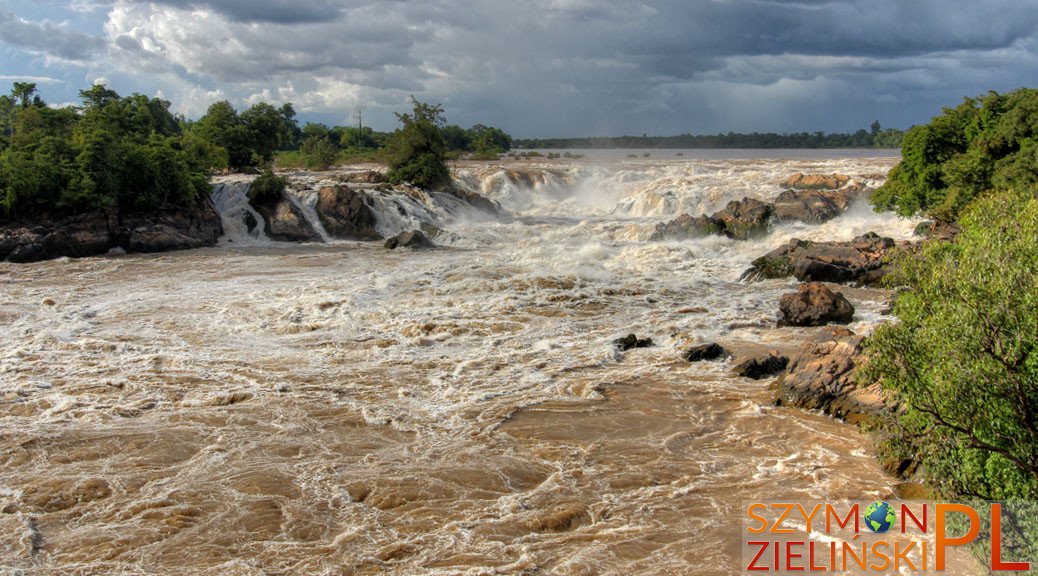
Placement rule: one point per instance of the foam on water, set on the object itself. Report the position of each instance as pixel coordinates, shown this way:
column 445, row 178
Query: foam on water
column 348, row 409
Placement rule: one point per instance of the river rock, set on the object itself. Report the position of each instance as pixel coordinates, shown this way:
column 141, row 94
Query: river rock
column 801, row 181
column 365, row 177
column 415, row 240
column 285, row 222
column 814, row 304
column 757, row 367
column 711, row 351
column 746, row 218
column 94, row 233
column 687, row 227
column 822, row 376
column 861, row 261
column 631, row 341
column 345, row 213
column 808, row 206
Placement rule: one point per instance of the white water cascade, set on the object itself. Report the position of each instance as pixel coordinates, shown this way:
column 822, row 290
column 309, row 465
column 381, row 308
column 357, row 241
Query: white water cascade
column 232, row 202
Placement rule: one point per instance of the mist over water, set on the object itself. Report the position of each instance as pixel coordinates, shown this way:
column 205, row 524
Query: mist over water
column 266, row 408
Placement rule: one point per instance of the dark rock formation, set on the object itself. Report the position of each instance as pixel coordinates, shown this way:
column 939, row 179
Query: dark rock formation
column 821, row 376
column 95, row 233
column 746, row 218
column 415, row 240
column 631, row 341
column 805, row 206
column 861, row 261
column 814, row 304
column 686, row 227
column 285, row 222
column 757, row 367
column 365, row 177
column 475, row 200
column 711, row 351
column 345, row 214
column 800, row 181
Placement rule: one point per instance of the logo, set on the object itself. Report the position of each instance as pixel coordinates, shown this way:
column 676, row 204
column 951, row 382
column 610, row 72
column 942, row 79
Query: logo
column 888, row 537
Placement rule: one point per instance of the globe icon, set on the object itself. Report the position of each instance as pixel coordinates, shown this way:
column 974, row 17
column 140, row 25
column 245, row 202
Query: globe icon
column 879, row 516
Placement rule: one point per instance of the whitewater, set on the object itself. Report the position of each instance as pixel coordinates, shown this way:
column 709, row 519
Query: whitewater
column 338, row 408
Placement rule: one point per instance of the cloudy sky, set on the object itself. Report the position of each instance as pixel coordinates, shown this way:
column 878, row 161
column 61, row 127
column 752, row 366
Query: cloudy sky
column 538, row 67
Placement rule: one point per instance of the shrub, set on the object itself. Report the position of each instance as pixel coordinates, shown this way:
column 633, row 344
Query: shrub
column 319, row 152
column 267, row 188
column 417, row 151
column 963, row 359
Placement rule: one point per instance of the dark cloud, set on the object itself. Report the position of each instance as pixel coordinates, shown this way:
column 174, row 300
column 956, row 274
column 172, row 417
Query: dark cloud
column 275, row 11
column 48, row 38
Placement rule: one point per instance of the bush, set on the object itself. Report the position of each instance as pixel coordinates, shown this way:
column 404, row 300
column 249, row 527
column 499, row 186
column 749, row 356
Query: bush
column 319, row 152
column 963, row 358
column 267, row 188
column 417, row 151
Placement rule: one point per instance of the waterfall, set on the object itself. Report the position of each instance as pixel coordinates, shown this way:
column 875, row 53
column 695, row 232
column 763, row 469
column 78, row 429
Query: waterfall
column 306, row 202
column 241, row 223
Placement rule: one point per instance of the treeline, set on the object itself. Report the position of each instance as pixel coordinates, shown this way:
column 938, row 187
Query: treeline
column 962, row 360
column 115, row 152
column 876, row 137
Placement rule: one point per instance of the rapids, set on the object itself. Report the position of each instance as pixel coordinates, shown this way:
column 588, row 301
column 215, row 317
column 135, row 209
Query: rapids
column 337, row 408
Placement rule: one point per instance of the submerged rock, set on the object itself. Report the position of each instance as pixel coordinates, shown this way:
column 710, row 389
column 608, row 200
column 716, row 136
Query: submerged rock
column 686, row 227
column 345, row 213
column 822, row 376
column 814, row 304
column 631, row 341
column 757, row 367
column 862, row 261
column 711, row 351
column 415, row 240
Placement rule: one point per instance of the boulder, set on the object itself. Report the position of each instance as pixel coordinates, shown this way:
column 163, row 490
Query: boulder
column 814, row 304
column 365, row 177
column 757, row 367
column 746, row 218
column 686, row 227
column 161, row 238
column 822, row 376
column 711, row 351
column 861, row 261
column 808, row 206
column 631, row 341
column 934, row 230
column 415, row 240
column 345, row 213
column 287, row 223
column 475, row 200
column 801, row 181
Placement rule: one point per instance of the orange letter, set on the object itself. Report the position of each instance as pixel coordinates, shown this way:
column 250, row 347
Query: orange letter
column 942, row 539
column 996, row 545
column 763, row 522
column 777, row 528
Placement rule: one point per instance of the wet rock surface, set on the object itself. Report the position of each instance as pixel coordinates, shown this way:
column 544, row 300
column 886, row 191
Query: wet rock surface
column 814, row 304
column 414, row 239
column 712, row 351
column 630, row 342
column 285, row 222
column 761, row 366
column 345, row 214
column 861, row 261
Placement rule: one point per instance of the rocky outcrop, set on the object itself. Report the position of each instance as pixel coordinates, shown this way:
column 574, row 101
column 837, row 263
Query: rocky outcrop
column 757, row 367
column 686, row 227
column 801, row 181
column 95, row 233
column 746, row 218
column 861, row 261
column 415, row 240
column 365, row 177
column 703, row 352
column 808, row 206
column 475, row 200
column 345, row 213
column 285, row 222
column 943, row 231
column 631, row 341
column 822, row 376
column 814, row 304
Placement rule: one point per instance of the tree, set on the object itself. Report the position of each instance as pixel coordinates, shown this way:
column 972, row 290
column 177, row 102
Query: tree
column 318, row 152
column 25, row 93
column 963, row 358
column 417, row 151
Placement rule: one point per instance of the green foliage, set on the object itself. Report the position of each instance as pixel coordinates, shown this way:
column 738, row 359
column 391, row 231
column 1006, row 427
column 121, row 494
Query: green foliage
column 267, row 188
column 983, row 144
column 417, row 151
column 963, row 359
column 318, row 152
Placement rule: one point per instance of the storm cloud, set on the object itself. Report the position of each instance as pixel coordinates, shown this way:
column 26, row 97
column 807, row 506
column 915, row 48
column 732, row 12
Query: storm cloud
column 554, row 67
